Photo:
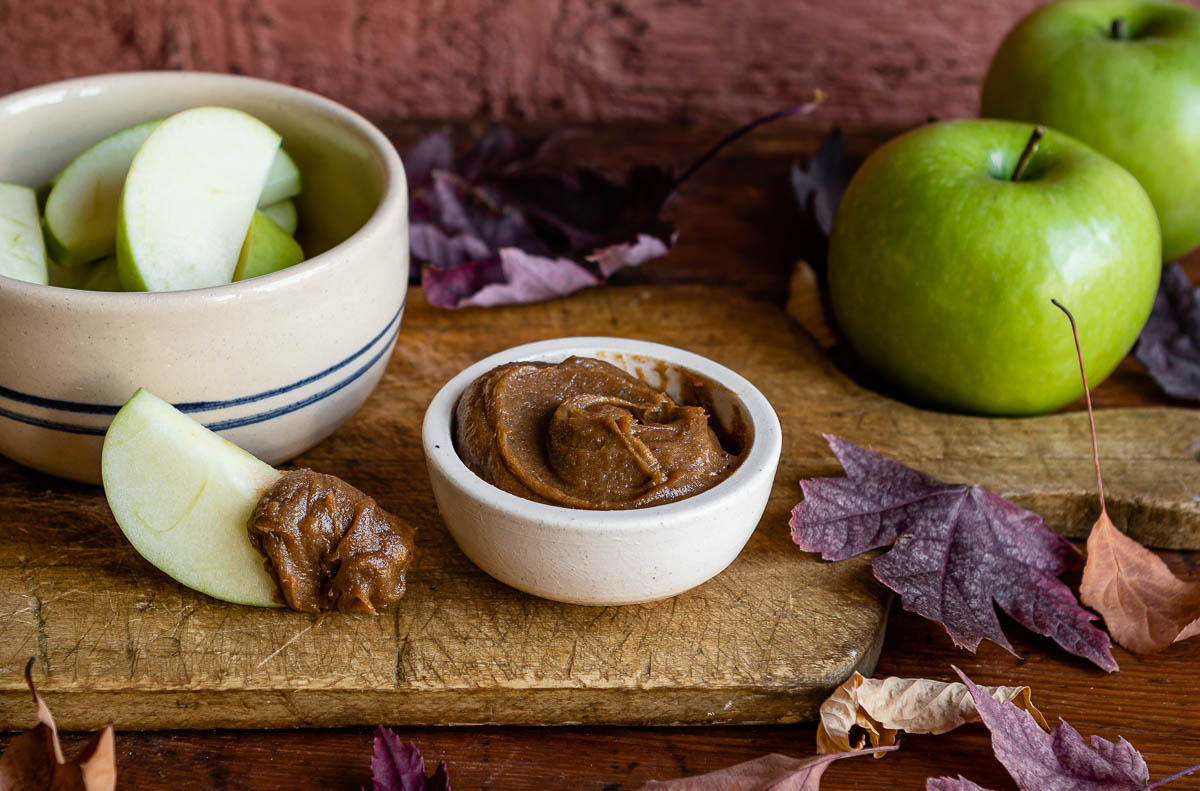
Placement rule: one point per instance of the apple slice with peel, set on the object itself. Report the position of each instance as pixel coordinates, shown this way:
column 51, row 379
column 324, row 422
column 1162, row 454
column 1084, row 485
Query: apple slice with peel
column 81, row 209
column 284, row 214
column 22, row 253
column 268, row 248
column 189, row 197
column 283, row 180
column 182, row 495
column 97, row 276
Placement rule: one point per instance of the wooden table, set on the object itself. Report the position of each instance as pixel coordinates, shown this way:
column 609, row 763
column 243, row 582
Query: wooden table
column 739, row 229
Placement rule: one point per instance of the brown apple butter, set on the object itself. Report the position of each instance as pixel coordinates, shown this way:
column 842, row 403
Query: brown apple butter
column 329, row 546
column 585, row 434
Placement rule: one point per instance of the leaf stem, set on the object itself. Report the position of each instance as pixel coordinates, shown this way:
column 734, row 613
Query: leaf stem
column 1031, row 147
column 1174, row 777
column 803, row 109
column 1088, row 395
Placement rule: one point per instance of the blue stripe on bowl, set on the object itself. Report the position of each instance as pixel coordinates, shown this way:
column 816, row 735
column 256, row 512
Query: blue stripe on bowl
column 203, row 406
column 86, row 408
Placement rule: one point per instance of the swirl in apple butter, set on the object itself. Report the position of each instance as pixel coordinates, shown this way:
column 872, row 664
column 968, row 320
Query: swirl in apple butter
column 329, row 546
column 585, row 434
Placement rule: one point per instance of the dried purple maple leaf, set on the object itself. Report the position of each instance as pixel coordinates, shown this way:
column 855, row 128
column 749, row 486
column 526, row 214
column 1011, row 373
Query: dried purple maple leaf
column 1056, row 761
column 772, row 772
column 957, row 551
column 819, row 186
column 396, row 766
column 1169, row 345
column 496, row 227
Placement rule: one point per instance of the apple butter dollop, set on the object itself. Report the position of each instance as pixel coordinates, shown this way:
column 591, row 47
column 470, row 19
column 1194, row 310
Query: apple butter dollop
column 329, row 546
column 585, row 434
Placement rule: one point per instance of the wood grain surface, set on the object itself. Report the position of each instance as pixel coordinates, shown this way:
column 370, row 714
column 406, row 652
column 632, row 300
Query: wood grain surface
column 738, row 232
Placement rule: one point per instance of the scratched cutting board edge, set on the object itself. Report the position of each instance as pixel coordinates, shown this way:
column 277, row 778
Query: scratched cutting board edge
column 764, row 641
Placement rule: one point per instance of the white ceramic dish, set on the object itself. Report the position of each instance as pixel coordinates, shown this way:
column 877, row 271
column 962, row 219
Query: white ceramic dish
column 606, row 557
column 275, row 363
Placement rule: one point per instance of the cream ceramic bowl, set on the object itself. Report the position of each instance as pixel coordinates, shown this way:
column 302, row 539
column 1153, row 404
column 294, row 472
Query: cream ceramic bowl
column 607, row 557
column 274, row 363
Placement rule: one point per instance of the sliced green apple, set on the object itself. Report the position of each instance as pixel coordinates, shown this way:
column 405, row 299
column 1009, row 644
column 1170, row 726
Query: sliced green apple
column 22, row 253
column 102, row 276
column 284, row 214
column 283, row 180
column 267, row 248
column 97, row 276
column 81, row 209
column 182, row 496
column 189, row 197
column 67, row 276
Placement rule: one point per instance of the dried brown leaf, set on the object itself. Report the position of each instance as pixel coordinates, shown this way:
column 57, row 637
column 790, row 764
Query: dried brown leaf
column 35, row 760
column 1144, row 605
column 804, row 305
column 883, row 707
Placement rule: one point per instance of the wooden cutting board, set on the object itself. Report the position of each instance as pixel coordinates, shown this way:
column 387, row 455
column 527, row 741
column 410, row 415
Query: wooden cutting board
column 762, row 642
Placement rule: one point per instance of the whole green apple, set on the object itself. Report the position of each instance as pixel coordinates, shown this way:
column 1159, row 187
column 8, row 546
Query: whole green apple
column 942, row 267
column 1123, row 76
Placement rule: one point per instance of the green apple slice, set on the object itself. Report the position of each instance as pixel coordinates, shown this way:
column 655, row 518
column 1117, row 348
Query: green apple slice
column 284, row 214
column 97, row 276
column 102, row 276
column 283, row 180
column 81, row 209
column 268, row 248
column 67, row 276
column 189, row 197
column 182, row 496
column 22, row 253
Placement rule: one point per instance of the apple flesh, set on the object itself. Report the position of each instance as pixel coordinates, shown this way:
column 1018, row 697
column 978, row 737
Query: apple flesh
column 182, row 496
column 22, row 252
column 941, row 268
column 1123, row 76
column 81, row 209
column 284, row 215
column 283, row 180
column 189, row 197
column 267, row 248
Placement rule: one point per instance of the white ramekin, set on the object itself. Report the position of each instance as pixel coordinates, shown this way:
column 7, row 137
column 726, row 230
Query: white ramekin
column 606, row 557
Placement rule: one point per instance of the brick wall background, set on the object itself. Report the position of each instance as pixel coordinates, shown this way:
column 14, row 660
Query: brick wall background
column 886, row 62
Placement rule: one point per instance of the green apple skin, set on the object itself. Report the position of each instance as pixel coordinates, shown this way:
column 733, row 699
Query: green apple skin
column 941, row 269
column 1134, row 100
column 182, row 496
column 97, row 276
column 268, row 248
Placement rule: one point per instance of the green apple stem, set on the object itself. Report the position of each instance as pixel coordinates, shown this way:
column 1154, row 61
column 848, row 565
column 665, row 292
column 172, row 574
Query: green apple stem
column 1031, row 147
column 1088, row 395
column 1120, row 29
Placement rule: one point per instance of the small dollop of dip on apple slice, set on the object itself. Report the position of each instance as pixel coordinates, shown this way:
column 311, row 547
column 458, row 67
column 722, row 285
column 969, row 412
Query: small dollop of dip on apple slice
column 329, row 546
column 205, row 512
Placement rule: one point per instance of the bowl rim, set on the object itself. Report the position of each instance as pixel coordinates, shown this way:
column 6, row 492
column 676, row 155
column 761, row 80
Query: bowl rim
column 394, row 198
column 763, row 456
